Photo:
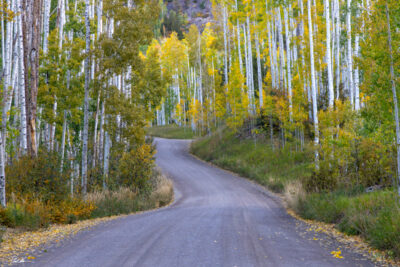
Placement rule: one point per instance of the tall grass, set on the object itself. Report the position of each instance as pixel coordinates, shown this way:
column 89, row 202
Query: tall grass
column 126, row 200
column 254, row 160
column 375, row 215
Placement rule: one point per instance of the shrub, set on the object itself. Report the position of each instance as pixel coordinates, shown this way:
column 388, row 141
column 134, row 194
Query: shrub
column 37, row 177
column 133, row 168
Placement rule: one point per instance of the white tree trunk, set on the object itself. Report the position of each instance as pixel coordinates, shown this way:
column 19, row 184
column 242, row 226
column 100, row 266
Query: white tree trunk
column 259, row 72
column 46, row 24
column 313, row 86
column 349, row 54
column 329, row 54
column 86, row 104
column 356, row 71
column 64, row 131
column 337, row 55
column 225, row 45
column 395, row 102
column 288, row 64
column 107, row 144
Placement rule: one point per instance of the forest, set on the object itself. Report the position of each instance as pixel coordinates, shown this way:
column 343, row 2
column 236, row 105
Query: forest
column 312, row 81
column 300, row 96
column 80, row 80
column 319, row 75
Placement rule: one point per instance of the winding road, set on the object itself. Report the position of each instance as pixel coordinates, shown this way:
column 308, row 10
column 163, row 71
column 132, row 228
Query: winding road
column 217, row 219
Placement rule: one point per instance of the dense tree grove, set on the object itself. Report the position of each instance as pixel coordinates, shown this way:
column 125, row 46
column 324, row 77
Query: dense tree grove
column 78, row 87
column 320, row 75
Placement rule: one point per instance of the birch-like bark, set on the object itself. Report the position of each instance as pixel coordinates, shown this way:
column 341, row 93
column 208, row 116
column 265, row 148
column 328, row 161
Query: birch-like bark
column 395, row 102
column 329, row 54
column 313, row 86
column 96, row 124
column 225, row 45
column 259, row 72
column 349, row 54
column 86, row 104
column 46, row 25
column 250, row 67
column 288, row 64
column 107, row 144
column 238, row 42
column 21, row 79
column 271, row 57
column 64, row 132
column 2, row 173
column 356, row 70
column 337, row 55
column 282, row 83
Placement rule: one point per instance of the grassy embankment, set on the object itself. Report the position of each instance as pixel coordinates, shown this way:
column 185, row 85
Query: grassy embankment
column 375, row 216
column 171, row 132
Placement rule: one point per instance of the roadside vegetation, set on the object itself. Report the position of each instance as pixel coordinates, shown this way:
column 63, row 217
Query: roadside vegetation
column 171, row 131
column 28, row 212
column 374, row 215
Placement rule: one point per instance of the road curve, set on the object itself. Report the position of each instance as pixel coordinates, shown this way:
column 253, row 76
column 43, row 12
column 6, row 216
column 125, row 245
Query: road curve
column 217, row 219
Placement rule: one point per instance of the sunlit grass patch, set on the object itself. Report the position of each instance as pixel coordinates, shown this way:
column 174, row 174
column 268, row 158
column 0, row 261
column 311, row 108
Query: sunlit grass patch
column 254, row 160
column 170, row 132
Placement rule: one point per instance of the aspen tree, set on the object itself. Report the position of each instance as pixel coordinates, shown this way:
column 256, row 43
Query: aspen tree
column 329, row 54
column 313, row 85
column 86, row 101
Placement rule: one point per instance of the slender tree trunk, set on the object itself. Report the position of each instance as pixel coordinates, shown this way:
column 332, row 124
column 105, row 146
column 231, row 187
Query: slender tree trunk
column 356, row 71
column 46, row 26
column 238, row 41
column 21, row 79
column 259, row 73
column 349, row 54
column 288, row 64
column 395, row 102
column 313, row 86
column 329, row 54
column 107, row 145
column 225, row 45
column 86, row 104
column 337, row 56
column 64, row 131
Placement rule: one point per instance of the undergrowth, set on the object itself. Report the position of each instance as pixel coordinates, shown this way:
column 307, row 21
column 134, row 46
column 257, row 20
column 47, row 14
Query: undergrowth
column 375, row 216
column 34, row 213
column 254, row 160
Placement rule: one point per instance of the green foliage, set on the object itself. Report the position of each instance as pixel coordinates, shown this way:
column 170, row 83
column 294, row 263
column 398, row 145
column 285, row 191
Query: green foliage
column 133, row 168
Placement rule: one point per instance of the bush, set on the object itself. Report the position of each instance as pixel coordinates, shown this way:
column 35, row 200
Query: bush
column 37, row 177
column 132, row 168
column 35, row 214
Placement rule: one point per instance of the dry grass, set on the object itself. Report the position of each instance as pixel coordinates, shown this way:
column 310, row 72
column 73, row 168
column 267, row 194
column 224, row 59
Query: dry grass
column 121, row 194
column 163, row 192
column 126, row 200
column 294, row 192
